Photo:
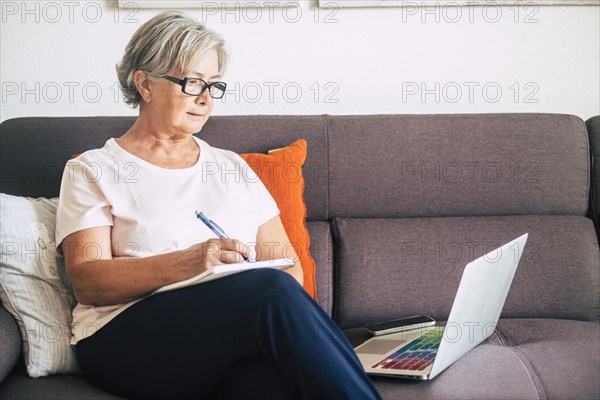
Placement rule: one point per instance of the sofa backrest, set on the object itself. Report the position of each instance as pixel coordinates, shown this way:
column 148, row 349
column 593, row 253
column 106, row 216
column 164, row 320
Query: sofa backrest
column 399, row 165
column 397, row 204
column 458, row 165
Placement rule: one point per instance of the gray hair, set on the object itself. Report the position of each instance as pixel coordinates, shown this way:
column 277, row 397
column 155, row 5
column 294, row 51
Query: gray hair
column 169, row 43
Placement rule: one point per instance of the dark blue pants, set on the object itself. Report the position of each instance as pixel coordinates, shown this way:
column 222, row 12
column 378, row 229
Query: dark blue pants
column 256, row 334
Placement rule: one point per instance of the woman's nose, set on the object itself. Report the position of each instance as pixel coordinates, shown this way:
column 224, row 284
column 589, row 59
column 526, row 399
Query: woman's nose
column 203, row 98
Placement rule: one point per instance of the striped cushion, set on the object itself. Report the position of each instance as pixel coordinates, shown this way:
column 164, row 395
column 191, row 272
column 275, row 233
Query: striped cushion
column 33, row 284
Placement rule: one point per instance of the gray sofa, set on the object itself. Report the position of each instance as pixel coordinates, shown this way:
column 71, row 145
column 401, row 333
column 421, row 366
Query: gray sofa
column 397, row 205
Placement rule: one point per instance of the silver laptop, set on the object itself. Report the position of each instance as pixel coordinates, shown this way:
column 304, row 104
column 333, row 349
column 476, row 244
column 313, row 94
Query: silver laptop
column 426, row 352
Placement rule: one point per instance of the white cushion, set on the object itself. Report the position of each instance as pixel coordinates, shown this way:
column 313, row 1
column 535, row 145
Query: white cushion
column 33, row 284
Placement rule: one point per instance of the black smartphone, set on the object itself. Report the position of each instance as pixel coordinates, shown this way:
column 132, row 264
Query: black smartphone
column 399, row 325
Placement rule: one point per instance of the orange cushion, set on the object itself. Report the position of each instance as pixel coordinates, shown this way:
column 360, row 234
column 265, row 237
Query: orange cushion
column 281, row 173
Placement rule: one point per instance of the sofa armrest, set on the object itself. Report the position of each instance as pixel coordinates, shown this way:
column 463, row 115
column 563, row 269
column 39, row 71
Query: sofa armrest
column 593, row 128
column 10, row 343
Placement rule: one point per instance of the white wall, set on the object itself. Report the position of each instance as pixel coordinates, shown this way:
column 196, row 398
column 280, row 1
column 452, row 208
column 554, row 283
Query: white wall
column 58, row 57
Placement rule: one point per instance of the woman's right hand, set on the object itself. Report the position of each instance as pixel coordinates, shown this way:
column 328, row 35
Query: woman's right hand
column 202, row 256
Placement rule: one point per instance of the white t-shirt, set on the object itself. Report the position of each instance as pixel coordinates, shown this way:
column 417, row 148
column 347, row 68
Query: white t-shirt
column 152, row 209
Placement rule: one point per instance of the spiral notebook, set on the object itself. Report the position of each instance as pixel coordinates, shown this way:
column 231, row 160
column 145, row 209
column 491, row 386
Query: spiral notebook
column 223, row 270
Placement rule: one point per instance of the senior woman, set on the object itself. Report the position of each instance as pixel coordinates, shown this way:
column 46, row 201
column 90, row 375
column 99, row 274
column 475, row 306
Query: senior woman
column 126, row 226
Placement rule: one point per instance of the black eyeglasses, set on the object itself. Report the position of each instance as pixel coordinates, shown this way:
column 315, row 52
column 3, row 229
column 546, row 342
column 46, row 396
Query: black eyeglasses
column 197, row 86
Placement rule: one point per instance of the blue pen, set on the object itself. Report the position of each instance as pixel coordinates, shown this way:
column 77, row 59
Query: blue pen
column 212, row 225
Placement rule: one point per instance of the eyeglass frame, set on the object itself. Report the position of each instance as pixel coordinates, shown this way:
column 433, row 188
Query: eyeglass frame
column 207, row 86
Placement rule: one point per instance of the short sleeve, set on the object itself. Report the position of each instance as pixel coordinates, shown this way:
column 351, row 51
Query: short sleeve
column 81, row 203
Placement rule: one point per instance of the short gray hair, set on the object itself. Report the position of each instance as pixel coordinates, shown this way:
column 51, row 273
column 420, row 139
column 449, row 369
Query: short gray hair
column 169, row 43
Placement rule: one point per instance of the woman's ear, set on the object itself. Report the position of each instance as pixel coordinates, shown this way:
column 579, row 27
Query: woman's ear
column 142, row 83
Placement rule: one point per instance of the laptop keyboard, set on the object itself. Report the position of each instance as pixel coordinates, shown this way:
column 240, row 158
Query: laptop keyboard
column 417, row 355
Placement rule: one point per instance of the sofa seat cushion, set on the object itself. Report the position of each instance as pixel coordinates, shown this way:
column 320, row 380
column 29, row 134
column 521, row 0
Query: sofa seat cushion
column 392, row 268
column 523, row 359
column 18, row 385
column 517, row 362
column 564, row 355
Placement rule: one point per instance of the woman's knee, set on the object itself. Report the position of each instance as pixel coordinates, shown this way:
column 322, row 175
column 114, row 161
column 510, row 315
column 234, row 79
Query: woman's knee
column 271, row 279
